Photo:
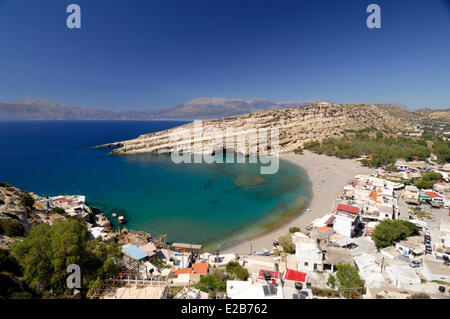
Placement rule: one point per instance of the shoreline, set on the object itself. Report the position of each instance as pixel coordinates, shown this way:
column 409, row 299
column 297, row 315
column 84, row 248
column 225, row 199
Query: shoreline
column 326, row 175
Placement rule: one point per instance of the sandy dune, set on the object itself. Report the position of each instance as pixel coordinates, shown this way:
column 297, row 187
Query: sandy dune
column 328, row 175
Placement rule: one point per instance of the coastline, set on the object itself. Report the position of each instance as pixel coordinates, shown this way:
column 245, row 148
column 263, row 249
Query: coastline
column 327, row 175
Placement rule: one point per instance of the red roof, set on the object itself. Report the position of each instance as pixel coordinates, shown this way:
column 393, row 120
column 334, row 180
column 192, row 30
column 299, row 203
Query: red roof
column 183, row 271
column 348, row 208
column 323, row 228
column 200, row 268
column 433, row 195
column 294, row 275
column 329, row 220
column 197, row 268
column 273, row 274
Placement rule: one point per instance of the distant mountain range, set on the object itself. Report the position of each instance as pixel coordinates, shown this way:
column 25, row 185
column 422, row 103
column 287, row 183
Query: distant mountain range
column 199, row 108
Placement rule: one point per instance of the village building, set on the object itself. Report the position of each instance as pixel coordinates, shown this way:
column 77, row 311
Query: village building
column 436, row 199
column 410, row 247
column 369, row 269
column 194, row 273
column 411, row 195
column 443, row 242
column 401, row 275
column 347, row 220
column 433, row 269
column 308, row 253
column 191, row 293
column 176, row 259
column 441, row 187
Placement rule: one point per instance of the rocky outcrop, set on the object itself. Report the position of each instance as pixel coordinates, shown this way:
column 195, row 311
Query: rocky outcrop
column 296, row 126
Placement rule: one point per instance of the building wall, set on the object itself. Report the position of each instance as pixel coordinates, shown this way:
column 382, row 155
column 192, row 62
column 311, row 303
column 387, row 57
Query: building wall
column 430, row 276
column 310, row 254
column 343, row 225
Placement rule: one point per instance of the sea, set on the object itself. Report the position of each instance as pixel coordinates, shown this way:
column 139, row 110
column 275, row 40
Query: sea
column 216, row 205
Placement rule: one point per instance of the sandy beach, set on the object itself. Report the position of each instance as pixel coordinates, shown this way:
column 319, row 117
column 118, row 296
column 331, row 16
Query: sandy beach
column 327, row 175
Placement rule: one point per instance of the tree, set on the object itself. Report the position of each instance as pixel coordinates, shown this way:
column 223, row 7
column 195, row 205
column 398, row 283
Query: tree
column 47, row 251
column 424, row 184
column 389, row 231
column 236, row 270
column 287, row 244
column 432, row 176
column 294, row 229
column 349, row 283
column 11, row 228
column 364, row 162
column 391, row 168
column 331, row 281
column 58, row 210
column 27, row 200
column 212, row 282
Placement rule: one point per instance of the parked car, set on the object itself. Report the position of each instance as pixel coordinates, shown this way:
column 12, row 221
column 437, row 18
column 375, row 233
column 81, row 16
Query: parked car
column 414, row 263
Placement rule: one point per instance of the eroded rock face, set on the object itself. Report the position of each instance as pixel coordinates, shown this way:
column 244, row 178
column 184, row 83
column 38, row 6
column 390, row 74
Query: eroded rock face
column 296, row 126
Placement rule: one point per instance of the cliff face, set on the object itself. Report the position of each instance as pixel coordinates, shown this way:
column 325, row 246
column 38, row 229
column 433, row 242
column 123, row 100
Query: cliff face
column 296, row 126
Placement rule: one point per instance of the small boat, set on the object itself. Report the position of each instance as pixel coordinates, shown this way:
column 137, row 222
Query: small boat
column 121, row 219
column 114, row 215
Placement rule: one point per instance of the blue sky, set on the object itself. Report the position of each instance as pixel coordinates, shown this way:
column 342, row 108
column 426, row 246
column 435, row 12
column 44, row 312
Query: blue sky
column 137, row 54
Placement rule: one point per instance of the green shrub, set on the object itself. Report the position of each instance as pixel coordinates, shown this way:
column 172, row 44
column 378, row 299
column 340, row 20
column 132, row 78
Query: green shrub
column 324, row 292
column 287, row 243
column 389, row 231
column 382, row 149
column 237, row 271
column 11, row 228
column 58, row 210
column 213, row 282
column 348, row 281
column 8, row 264
column 294, row 229
column 331, row 281
column 420, row 295
column 27, row 200
column 47, row 251
column 21, row 295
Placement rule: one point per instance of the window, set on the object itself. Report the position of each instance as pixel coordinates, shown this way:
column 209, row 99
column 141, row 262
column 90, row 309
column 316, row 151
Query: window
column 306, row 264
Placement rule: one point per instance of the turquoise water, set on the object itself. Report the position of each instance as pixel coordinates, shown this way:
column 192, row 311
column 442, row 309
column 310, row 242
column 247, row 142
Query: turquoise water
column 198, row 203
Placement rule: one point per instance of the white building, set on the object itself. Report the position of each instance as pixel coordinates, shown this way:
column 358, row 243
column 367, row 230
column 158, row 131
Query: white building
column 369, row 269
column 411, row 195
column 401, row 275
column 435, row 270
column 308, row 253
column 347, row 220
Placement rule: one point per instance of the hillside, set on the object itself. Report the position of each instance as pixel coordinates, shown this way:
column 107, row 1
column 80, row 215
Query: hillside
column 422, row 116
column 199, row 108
column 41, row 109
column 296, row 126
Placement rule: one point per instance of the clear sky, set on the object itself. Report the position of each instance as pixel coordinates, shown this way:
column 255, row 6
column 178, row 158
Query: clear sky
column 142, row 54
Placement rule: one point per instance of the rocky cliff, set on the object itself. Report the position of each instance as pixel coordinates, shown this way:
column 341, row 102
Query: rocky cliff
column 296, row 126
